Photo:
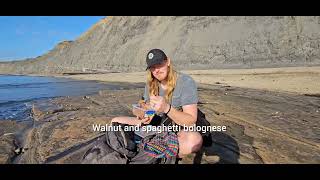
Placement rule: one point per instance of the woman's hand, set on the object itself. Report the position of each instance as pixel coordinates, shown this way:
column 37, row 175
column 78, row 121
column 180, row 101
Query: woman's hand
column 146, row 120
column 159, row 104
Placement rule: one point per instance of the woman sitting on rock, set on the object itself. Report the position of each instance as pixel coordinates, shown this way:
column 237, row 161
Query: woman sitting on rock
column 172, row 94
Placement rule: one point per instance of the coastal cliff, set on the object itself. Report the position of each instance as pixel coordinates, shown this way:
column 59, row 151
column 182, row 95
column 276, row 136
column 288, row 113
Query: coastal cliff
column 121, row 43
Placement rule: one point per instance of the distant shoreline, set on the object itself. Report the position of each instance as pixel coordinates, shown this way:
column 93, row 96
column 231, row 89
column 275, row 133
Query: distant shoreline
column 300, row 80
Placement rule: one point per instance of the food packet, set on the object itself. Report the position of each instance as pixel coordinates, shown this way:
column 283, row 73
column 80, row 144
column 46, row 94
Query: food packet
column 143, row 110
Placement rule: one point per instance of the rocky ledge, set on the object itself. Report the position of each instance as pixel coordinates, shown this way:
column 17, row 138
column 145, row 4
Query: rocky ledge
column 262, row 127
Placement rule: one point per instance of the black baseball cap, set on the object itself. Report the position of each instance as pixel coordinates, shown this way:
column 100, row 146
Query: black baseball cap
column 155, row 56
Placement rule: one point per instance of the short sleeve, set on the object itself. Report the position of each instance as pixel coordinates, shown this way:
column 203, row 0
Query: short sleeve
column 146, row 93
column 189, row 92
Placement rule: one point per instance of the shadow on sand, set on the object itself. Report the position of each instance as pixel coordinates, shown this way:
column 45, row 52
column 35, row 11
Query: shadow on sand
column 223, row 147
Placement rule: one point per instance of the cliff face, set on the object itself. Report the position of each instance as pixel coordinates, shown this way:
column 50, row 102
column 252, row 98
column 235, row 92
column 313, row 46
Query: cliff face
column 121, row 44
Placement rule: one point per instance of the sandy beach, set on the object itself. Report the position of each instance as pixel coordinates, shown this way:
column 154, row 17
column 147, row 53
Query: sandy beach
column 301, row 80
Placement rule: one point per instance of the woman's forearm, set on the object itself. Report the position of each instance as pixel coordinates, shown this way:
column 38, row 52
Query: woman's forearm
column 159, row 104
column 181, row 118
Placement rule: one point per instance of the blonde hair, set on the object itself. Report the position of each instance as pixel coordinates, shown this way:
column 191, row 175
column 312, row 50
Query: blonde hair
column 154, row 83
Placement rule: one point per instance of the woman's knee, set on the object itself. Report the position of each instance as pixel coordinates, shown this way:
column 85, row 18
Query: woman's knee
column 118, row 119
column 125, row 120
column 195, row 141
column 115, row 119
column 189, row 142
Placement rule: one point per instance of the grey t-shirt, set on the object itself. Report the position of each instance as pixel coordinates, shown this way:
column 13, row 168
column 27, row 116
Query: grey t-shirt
column 185, row 92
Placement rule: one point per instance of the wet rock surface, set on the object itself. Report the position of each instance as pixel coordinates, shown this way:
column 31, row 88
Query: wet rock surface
column 65, row 125
column 262, row 126
column 11, row 139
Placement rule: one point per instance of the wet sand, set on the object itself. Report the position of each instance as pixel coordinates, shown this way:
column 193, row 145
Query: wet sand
column 302, row 80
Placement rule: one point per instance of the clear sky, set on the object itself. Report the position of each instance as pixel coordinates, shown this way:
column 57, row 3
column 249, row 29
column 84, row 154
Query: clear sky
column 31, row 36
